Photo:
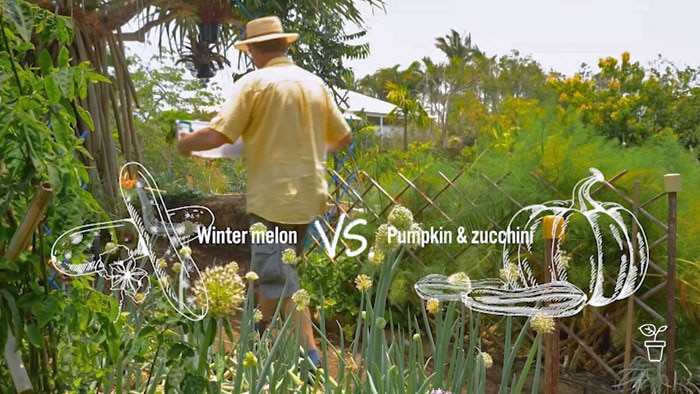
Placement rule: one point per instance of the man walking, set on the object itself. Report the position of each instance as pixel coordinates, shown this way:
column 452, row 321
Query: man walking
column 288, row 121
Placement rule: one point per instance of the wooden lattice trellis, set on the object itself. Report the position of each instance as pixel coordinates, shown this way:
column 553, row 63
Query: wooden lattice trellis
column 356, row 186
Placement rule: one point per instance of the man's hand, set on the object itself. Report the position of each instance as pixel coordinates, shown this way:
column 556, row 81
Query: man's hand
column 182, row 145
column 345, row 141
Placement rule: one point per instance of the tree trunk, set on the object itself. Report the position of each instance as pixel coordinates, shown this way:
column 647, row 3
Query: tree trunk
column 405, row 134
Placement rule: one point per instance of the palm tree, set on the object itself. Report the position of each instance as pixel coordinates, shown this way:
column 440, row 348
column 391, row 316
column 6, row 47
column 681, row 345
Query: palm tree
column 408, row 107
column 453, row 45
column 375, row 84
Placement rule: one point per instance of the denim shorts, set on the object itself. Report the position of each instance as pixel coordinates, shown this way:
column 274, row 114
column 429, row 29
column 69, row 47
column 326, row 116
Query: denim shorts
column 277, row 279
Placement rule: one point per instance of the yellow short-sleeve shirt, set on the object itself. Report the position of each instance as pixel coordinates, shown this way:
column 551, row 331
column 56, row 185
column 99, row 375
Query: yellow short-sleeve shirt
column 285, row 116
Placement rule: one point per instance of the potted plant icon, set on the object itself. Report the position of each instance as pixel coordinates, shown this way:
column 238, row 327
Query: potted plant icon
column 655, row 348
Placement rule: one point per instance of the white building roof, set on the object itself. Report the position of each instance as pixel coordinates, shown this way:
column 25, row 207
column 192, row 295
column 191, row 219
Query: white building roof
column 358, row 102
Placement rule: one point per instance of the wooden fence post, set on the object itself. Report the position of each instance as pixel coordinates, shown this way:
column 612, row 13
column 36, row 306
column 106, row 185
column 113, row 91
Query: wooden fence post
column 629, row 318
column 552, row 230
column 672, row 185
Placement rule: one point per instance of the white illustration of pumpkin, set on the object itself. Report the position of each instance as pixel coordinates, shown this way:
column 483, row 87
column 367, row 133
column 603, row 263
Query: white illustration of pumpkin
column 522, row 292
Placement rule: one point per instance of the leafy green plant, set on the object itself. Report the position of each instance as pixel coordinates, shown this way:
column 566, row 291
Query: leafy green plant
column 38, row 113
column 330, row 285
column 648, row 377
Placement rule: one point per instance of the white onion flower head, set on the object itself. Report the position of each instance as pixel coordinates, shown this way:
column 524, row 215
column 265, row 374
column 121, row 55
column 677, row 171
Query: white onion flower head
column 257, row 315
column 363, row 282
column 302, row 299
column 564, row 259
column 416, row 232
column 223, row 288
column 509, row 272
column 375, row 257
column 251, row 276
column 289, row 256
column 380, row 323
column 460, row 279
column 487, row 359
column 185, row 251
column 542, row 324
column 110, row 247
column 381, row 240
column 432, row 305
column 401, row 218
column 258, row 228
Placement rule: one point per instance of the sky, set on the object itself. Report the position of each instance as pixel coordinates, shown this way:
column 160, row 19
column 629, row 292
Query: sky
column 558, row 34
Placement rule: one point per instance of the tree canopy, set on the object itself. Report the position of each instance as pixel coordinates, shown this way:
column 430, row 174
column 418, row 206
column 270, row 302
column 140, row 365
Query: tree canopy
column 199, row 31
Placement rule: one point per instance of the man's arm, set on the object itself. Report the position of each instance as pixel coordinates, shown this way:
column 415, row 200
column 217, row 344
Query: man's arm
column 345, row 141
column 202, row 139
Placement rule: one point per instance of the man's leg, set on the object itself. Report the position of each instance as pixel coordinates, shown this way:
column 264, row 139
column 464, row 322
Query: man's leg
column 276, row 276
column 302, row 319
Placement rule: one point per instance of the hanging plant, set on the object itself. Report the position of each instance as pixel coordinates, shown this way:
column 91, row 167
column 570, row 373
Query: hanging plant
column 202, row 59
column 209, row 32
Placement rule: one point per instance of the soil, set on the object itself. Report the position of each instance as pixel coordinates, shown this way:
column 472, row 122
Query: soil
column 229, row 211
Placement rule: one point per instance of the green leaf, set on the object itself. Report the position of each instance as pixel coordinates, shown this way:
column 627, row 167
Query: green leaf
column 27, row 300
column 194, row 384
column 45, row 62
column 64, row 32
column 83, row 320
column 64, row 80
column 211, row 333
column 81, row 82
column 145, row 331
column 6, row 120
column 3, row 329
column 55, row 179
column 15, row 318
column 172, row 381
column 213, row 388
column 113, row 311
column 50, row 308
column 113, row 349
column 63, row 57
column 86, row 116
column 35, row 336
column 20, row 15
column 52, row 91
column 97, row 77
column 7, row 265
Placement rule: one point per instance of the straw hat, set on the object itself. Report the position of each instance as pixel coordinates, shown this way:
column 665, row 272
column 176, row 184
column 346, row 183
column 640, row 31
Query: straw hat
column 264, row 29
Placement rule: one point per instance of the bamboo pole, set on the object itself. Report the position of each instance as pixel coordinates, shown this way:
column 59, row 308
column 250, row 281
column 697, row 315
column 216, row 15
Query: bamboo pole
column 672, row 185
column 629, row 319
column 552, row 231
column 18, row 243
